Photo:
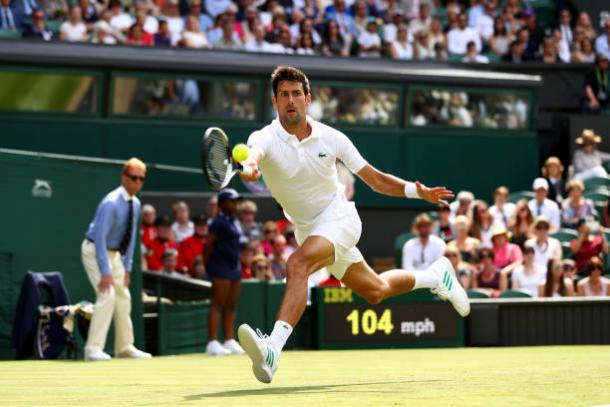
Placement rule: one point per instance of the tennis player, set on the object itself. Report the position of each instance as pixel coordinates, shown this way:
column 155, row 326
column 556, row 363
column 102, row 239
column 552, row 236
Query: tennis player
column 297, row 156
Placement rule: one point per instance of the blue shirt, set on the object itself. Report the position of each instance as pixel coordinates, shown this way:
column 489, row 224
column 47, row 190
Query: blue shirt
column 225, row 256
column 108, row 228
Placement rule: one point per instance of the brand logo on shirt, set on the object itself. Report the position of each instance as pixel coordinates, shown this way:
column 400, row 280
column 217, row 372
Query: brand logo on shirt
column 321, row 155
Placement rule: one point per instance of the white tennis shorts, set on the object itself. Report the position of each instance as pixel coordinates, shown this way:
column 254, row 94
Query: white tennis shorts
column 340, row 224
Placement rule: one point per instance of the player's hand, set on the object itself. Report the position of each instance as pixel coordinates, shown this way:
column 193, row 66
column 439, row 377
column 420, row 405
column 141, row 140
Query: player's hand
column 105, row 283
column 254, row 175
column 127, row 279
column 436, row 195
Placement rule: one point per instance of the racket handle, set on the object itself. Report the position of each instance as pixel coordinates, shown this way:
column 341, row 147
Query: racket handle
column 247, row 170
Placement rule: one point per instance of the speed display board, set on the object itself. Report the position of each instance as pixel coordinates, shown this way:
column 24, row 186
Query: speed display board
column 418, row 319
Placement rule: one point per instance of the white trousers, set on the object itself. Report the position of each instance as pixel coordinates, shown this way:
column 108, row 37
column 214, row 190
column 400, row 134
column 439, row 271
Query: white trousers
column 114, row 302
column 597, row 171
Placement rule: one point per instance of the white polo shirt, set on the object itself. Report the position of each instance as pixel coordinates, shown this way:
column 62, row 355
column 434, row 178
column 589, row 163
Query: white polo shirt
column 302, row 175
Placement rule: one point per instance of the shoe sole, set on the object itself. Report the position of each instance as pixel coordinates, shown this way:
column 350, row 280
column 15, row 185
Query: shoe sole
column 247, row 340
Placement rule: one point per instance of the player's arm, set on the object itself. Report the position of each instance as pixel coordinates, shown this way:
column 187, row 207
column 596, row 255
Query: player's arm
column 389, row 184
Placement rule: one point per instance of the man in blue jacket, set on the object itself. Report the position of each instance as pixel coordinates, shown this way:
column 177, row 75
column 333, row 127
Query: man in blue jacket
column 107, row 254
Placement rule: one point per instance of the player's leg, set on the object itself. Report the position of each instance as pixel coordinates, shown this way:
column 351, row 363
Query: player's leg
column 219, row 294
column 228, row 317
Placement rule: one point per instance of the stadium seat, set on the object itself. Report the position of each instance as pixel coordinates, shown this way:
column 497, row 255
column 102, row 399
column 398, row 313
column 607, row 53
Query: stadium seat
column 566, row 250
column 519, row 195
column 477, row 294
column 597, row 182
column 565, row 235
column 598, row 195
column 514, row 294
column 399, row 242
column 9, row 34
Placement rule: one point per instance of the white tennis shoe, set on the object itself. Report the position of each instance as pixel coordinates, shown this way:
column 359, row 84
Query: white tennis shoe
column 258, row 347
column 214, row 348
column 233, row 347
column 449, row 288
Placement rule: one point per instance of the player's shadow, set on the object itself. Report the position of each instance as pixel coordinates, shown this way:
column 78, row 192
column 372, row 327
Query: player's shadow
column 322, row 388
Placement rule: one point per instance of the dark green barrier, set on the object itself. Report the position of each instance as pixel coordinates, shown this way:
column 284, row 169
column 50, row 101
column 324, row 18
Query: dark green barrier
column 301, row 337
column 417, row 319
column 183, row 328
column 252, row 303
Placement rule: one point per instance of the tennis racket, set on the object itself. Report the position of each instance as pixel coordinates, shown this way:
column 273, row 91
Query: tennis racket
column 216, row 162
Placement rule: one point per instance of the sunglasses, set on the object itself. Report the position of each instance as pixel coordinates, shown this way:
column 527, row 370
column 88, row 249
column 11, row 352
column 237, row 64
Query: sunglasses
column 135, row 178
column 261, row 267
column 270, row 231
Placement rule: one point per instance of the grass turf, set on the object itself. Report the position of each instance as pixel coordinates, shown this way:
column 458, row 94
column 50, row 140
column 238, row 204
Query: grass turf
column 570, row 376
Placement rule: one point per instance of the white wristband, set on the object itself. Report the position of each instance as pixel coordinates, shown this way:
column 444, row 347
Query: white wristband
column 411, row 190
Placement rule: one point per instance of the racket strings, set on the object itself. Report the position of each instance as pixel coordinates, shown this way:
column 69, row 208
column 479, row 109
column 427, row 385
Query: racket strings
column 217, row 160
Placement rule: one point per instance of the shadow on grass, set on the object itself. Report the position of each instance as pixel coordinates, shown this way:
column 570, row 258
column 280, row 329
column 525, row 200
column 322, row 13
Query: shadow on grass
column 311, row 389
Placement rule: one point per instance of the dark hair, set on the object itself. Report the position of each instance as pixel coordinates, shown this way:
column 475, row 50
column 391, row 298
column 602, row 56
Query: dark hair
column 288, row 73
column 594, row 264
column 162, row 221
column 487, row 252
column 548, row 285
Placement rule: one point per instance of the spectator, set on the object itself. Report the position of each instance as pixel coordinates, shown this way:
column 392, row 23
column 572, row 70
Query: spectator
column 482, row 222
column 502, row 210
column 278, row 257
column 466, row 245
column 401, row 48
column 38, row 30
column 163, row 37
column 569, row 268
column 585, row 53
column 488, row 275
column 221, row 257
column 505, row 253
column 472, row 56
column 436, row 34
column 149, row 23
column 549, row 51
column 475, row 10
column 156, row 247
column 360, row 16
column 199, row 269
column 11, row 16
column 344, row 21
column 333, row 43
column 459, row 37
column 453, row 10
column 553, row 173
column 586, row 246
column 584, row 23
column 192, row 37
column 169, row 259
column 597, row 92
column 455, row 112
column 421, row 251
column 137, row 36
column 484, row 24
column 527, row 276
column 73, row 30
column 182, row 226
column 561, row 46
column 175, row 23
column 556, row 283
column 217, row 7
column 588, row 161
column 443, row 228
column 500, row 40
column 148, row 231
column 462, row 204
column 511, row 18
column 424, row 47
column 251, row 228
column 390, row 30
column 312, row 11
column 246, row 254
column 102, row 33
column 305, row 45
column 462, row 269
column 306, row 27
column 258, row 43
column 193, row 246
column 546, row 247
column 270, row 231
column 89, row 13
column 565, row 28
column 261, row 269
column 542, row 206
column 520, row 223
column 229, row 40
column 369, row 41
column 205, row 21
column 423, row 20
column 595, row 284
column 535, row 32
column 119, row 20
column 576, row 207
column 515, row 53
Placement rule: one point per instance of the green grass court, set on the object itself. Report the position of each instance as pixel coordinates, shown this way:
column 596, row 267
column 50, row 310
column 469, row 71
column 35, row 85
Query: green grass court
column 550, row 376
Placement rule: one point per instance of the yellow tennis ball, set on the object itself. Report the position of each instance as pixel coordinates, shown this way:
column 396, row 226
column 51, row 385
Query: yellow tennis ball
column 241, row 152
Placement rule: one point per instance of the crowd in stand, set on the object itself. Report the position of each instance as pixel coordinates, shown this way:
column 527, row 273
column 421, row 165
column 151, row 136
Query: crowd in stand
column 471, row 31
column 512, row 245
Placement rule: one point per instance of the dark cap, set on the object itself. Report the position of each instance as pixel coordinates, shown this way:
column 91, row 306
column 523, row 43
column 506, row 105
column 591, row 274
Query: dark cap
column 162, row 221
column 200, row 220
column 228, row 193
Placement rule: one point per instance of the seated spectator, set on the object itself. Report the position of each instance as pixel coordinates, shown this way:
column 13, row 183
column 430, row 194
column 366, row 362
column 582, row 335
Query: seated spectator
column 443, row 228
column 148, row 230
column 556, row 283
column 228, row 40
column 137, row 36
column 424, row 46
column 305, row 45
column 38, row 29
column 312, row 11
column 270, row 231
column 278, row 258
column 482, row 223
column 553, row 173
column 459, row 37
column 421, row 251
column 528, row 275
column 175, row 23
column 516, row 52
column 89, row 13
column 576, row 207
column 502, row 210
column 505, row 253
column 169, row 259
column 423, row 20
column 11, row 15
column 73, row 30
column 520, row 223
column 199, row 269
column 602, row 43
column 193, row 246
column 333, row 43
column 149, row 23
column 369, row 41
column 192, row 37
column 389, row 31
column 462, row 269
column 162, row 37
column 588, row 161
column 466, row 245
column 484, row 23
column 597, row 92
column 594, row 284
column 246, row 254
column 545, row 247
column 119, row 19
column 561, row 47
column 584, row 23
column 155, row 248
column 455, row 112
column 569, row 268
column 360, row 16
column 462, row 204
column 488, row 275
column 472, row 56
column 284, row 42
column 585, row 53
column 205, row 21
column 337, row 12
column 436, row 34
column 542, row 206
column 182, row 226
column 258, row 43
column 401, row 48
column 549, row 51
column 251, row 228
column 261, row 269
column 500, row 41
column 307, row 27
column 586, row 246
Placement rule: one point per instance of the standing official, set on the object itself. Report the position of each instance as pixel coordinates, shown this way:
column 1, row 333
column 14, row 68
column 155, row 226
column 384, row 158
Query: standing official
column 107, row 254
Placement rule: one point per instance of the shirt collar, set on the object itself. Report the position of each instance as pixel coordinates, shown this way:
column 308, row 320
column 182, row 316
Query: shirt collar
column 291, row 138
column 124, row 193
